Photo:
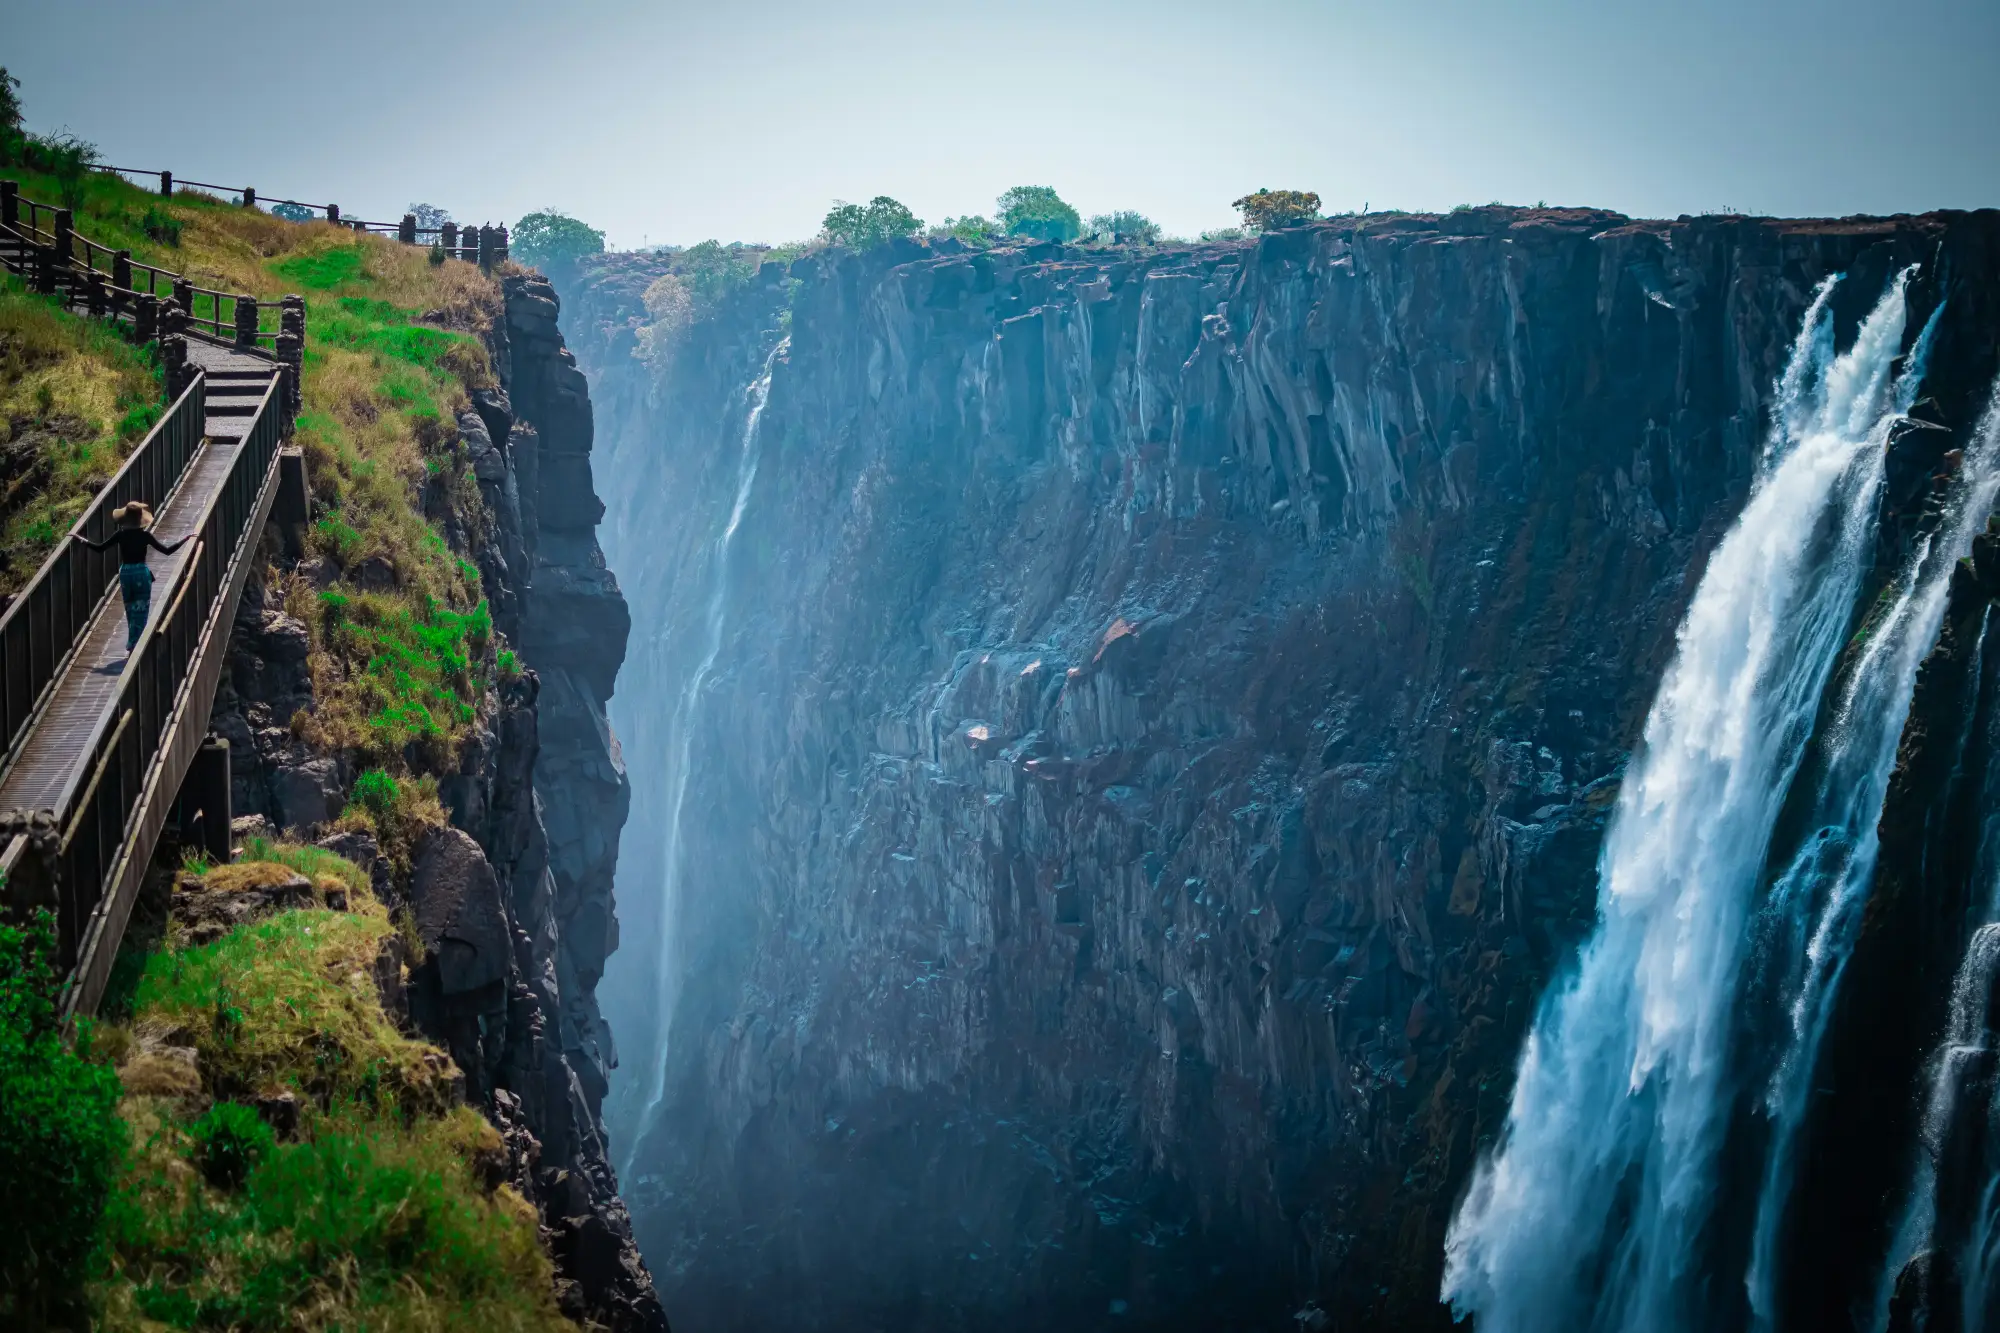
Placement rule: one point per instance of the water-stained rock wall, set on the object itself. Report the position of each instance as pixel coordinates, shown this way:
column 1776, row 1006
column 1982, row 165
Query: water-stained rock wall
column 1165, row 711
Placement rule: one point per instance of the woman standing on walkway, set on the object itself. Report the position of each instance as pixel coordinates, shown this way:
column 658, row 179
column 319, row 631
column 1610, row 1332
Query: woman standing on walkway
column 135, row 577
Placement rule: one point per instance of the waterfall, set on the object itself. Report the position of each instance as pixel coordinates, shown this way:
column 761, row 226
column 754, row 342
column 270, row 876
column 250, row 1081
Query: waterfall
column 1965, row 1056
column 1825, row 886
column 1586, row 1212
column 677, row 744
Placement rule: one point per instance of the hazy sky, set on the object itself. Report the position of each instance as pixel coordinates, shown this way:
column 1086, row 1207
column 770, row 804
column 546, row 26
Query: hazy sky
column 664, row 121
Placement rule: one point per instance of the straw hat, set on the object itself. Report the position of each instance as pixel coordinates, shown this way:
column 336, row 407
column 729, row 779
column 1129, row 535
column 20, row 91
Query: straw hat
column 137, row 514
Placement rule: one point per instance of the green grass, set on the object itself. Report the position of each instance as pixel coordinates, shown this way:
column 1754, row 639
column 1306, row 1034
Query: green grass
column 61, row 1145
column 385, row 1213
column 366, row 1223
column 74, row 400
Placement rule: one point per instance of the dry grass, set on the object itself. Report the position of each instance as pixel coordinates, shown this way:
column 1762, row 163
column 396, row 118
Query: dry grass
column 74, row 399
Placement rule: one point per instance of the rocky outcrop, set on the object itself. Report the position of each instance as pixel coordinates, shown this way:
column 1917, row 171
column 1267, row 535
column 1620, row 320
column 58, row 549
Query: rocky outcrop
column 512, row 903
column 1163, row 716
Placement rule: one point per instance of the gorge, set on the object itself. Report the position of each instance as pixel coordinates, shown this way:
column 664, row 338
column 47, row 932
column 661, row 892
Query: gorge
column 1124, row 745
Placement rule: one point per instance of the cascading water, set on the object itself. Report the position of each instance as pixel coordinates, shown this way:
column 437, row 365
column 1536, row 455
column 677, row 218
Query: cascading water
column 1587, row 1213
column 677, row 743
column 1960, row 1093
column 1817, row 901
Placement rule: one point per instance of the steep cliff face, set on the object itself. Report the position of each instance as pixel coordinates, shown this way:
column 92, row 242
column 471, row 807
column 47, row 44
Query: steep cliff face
column 513, row 902
column 1132, row 735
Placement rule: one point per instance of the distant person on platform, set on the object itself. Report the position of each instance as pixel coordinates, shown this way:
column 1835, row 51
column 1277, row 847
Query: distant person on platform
column 135, row 577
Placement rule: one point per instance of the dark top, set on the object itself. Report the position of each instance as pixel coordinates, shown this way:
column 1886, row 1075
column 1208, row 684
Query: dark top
column 132, row 544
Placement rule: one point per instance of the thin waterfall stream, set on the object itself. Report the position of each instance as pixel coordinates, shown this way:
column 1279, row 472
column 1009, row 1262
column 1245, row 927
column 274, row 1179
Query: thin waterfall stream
column 666, row 976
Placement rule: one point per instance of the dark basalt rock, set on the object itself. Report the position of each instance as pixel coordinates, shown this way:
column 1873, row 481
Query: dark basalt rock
column 1166, row 716
column 512, row 904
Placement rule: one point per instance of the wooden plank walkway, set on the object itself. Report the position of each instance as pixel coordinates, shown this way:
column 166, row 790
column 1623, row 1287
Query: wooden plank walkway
column 50, row 762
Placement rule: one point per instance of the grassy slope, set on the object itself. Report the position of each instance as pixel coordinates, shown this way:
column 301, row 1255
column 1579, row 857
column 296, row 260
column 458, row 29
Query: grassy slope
column 392, row 347
column 74, row 399
column 383, row 1213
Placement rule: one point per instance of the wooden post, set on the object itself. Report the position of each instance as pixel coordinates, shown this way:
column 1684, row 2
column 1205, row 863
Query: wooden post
column 45, row 270
column 121, row 269
column 166, row 182
column 500, row 245
column 184, row 298
column 291, row 508
column 10, row 203
column 173, row 354
column 449, row 240
column 146, row 323
column 65, row 228
column 249, row 197
column 333, row 214
column 406, row 230
column 94, row 294
column 204, row 800
column 246, row 321
column 485, row 246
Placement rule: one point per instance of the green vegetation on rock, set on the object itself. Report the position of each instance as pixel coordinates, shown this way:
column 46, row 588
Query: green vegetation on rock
column 1126, row 225
column 1268, row 210
column 298, row 1163
column 1038, row 213
column 863, row 225
column 547, row 238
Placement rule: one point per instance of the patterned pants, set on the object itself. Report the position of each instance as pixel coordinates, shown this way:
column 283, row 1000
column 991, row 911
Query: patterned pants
column 135, row 584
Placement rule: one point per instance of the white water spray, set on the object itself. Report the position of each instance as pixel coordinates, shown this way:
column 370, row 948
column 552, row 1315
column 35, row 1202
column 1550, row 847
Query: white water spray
column 665, row 959
column 1826, row 885
column 1586, row 1213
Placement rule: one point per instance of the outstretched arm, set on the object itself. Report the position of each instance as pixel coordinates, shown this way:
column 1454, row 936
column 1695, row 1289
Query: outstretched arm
column 167, row 550
column 104, row 545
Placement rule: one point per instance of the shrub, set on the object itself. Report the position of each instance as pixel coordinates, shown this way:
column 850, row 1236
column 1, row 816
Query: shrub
column 1127, row 227
column 1038, row 212
column 1267, row 210
column 863, row 225
column 61, row 1143
column 972, row 229
column 711, row 270
column 375, row 792
column 162, row 227
column 551, row 238
column 229, row 1140
column 437, row 254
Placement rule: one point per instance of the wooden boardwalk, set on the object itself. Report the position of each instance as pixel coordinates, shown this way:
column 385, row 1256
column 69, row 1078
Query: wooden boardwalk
column 48, row 766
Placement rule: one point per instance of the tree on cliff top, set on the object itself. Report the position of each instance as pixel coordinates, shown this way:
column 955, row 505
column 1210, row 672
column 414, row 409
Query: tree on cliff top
column 10, row 101
column 1039, row 213
column 1126, row 226
column 548, row 237
column 1268, row 210
column 429, row 216
column 863, row 225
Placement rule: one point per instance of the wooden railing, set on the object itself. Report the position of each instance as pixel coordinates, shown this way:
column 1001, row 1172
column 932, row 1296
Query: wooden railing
column 39, row 630
column 89, row 852
column 484, row 245
column 106, row 283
